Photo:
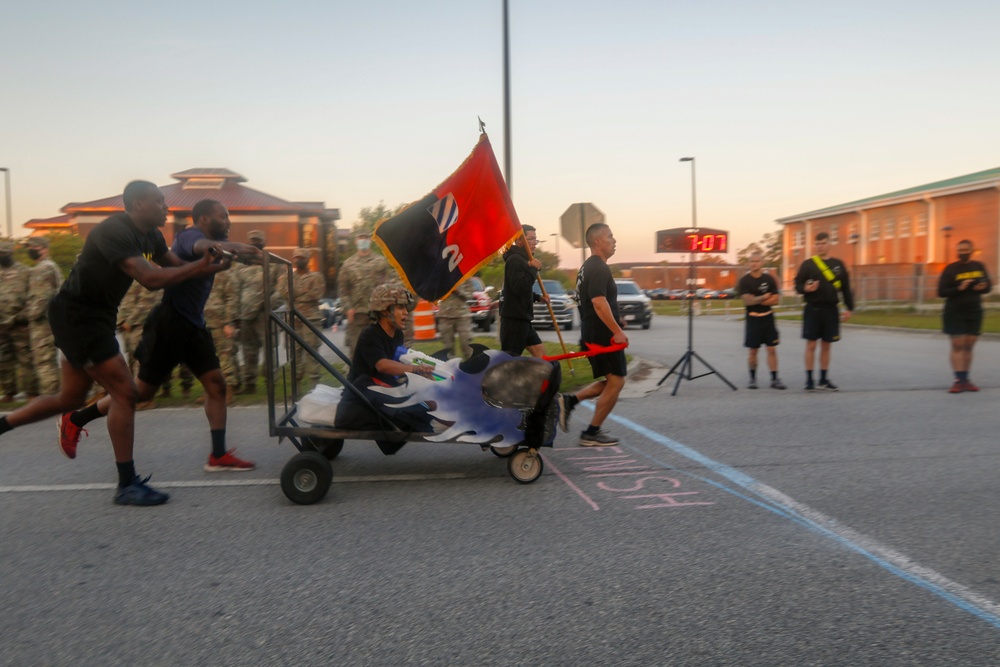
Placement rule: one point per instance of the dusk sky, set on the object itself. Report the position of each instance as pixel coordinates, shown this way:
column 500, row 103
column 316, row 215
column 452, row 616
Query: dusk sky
column 787, row 107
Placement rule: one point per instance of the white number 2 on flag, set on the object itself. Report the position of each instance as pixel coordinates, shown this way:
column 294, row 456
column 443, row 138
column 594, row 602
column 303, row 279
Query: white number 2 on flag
column 453, row 255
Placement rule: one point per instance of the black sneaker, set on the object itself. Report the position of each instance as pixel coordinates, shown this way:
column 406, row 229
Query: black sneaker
column 777, row 384
column 137, row 493
column 599, row 439
column 826, row 385
column 752, row 384
column 564, row 401
column 810, row 386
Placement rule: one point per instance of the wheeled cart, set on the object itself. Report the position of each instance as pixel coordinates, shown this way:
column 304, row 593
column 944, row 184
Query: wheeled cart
column 498, row 402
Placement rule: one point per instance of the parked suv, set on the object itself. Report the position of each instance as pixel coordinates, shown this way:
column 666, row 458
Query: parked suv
column 563, row 306
column 484, row 308
column 634, row 307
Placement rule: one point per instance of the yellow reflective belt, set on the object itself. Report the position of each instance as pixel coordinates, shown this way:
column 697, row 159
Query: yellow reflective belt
column 825, row 270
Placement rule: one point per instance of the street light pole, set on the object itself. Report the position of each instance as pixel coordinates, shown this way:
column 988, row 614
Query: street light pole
column 10, row 223
column 694, row 204
column 557, row 243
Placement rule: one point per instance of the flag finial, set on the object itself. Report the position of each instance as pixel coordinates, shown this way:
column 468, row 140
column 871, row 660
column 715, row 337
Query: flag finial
column 482, row 125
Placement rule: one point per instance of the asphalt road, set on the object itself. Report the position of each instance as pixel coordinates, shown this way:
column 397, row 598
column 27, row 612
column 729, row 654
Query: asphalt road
column 729, row 528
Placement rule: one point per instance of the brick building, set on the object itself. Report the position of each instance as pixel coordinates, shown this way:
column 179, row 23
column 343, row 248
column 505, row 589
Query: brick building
column 896, row 244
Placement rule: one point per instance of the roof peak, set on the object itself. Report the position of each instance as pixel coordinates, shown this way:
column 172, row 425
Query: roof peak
column 207, row 177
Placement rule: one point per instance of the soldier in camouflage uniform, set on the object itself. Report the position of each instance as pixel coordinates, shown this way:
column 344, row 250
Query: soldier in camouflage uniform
column 221, row 319
column 44, row 281
column 359, row 276
column 251, row 315
column 309, row 287
column 454, row 317
column 15, row 345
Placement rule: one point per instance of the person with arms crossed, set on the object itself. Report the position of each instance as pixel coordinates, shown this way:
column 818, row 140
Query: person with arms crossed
column 83, row 315
column 600, row 324
column 517, row 306
column 175, row 333
column 962, row 285
column 759, row 291
column 821, row 281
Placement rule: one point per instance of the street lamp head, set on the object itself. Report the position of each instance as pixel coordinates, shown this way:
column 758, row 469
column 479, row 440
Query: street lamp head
column 687, row 159
column 947, row 228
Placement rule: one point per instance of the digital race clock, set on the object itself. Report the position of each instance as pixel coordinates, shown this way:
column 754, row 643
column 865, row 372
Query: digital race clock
column 692, row 239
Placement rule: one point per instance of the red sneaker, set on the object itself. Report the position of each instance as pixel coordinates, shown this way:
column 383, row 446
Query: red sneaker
column 228, row 462
column 968, row 386
column 956, row 388
column 69, row 435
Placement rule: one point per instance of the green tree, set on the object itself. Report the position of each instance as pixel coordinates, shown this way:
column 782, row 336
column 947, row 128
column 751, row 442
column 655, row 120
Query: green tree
column 367, row 219
column 770, row 246
column 64, row 248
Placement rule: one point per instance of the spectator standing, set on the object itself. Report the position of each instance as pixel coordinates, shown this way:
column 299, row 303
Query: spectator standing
column 309, row 287
column 822, row 280
column 16, row 373
column 455, row 318
column 759, row 292
column 221, row 311
column 44, row 281
column 360, row 274
column 962, row 285
column 251, row 315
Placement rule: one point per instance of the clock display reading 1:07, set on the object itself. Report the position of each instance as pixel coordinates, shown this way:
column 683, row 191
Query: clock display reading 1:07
column 689, row 240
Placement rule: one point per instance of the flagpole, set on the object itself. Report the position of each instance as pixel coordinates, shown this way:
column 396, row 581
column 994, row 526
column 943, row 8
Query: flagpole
column 506, row 103
column 548, row 302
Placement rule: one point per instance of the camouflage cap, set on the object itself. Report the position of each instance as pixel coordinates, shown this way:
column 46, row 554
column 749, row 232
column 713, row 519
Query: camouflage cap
column 363, row 232
column 38, row 242
column 302, row 252
column 256, row 235
column 6, row 248
column 388, row 295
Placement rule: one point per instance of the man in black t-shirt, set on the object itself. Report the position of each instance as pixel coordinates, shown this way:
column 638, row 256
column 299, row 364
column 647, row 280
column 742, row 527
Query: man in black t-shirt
column 962, row 285
column 83, row 316
column 600, row 324
column 821, row 281
column 175, row 333
column 759, row 291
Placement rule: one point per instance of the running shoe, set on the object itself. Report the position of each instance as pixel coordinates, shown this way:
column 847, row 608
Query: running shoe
column 826, row 385
column 564, row 402
column 810, row 386
column 228, row 462
column 138, row 493
column 968, row 386
column 777, row 384
column 69, row 435
column 599, row 439
column 957, row 388
column 752, row 384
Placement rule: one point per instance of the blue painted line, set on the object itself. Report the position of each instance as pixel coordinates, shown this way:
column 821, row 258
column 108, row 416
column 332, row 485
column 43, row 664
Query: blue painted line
column 750, row 484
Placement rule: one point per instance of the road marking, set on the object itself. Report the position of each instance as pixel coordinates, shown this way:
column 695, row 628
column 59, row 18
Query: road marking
column 193, row 484
column 777, row 502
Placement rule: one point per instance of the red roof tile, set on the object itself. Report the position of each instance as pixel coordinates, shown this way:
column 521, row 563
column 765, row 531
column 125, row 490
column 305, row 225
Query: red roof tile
column 237, row 198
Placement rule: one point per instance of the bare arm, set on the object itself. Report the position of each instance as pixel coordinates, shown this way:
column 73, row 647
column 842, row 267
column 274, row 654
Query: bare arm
column 603, row 311
column 170, row 272
column 393, row 367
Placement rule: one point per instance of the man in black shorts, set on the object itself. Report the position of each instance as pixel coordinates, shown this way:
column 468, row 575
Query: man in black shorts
column 517, row 306
column 83, row 316
column 962, row 285
column 759, row 291
column 821, row 280
column 601, row 325
column 175, row 333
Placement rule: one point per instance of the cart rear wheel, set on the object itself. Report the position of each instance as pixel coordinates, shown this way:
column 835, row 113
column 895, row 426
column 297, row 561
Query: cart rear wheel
column 504, row 452
column 525, row 466
column 306, row 478
column 328, row 447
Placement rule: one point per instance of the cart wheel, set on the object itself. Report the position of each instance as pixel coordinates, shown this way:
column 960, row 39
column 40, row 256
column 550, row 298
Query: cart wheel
column 328, row 447
column 503, row 452
column 306, row 478
column 525, row 466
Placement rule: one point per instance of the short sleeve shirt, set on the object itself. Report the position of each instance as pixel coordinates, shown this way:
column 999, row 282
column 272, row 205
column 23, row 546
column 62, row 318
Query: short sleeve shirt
column 373, row 345
column 765, row 284
column 595, row 280
column 96, row 281
column 188, row 298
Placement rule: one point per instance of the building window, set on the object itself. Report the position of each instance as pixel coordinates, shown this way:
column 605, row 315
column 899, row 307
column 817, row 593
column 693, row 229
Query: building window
column 834, row 237
column 799, row 239
column 904, row 227
column 873, row 230
column 890, row 228
column 922, row 224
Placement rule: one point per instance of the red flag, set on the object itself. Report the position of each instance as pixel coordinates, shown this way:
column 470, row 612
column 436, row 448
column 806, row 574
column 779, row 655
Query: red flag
column 438, row 241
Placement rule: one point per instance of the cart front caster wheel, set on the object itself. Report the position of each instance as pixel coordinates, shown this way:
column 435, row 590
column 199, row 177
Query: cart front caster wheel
column 306, row 478
column 525, row 466
column 503, row 452
column 328, row 447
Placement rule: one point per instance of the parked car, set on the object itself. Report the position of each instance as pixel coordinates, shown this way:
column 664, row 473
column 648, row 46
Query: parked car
column 332, row 312
column 634, row 307
column 483, row 307
column 728, row 293
column 659, row 294
column 563, row 306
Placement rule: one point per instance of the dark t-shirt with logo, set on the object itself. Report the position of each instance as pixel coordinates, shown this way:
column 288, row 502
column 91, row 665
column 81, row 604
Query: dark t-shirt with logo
column 96, row 282
column 593, row 280
column 765, row 284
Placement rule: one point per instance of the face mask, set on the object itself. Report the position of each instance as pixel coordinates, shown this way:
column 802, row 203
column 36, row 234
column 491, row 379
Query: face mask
column 964, row 256
column 363, row 244
column 302, row 264
column 33, row 253
column 258, row 245
column 7, row 261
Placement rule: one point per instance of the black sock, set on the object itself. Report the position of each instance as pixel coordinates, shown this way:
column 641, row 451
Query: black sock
column 753, row 373
column 571, row 401
column 774, row 375
column 4, row 426
column 592, row 430
column 126, row 473
column 83, row 417
column 809, row 376
column 219, row 443
column 963, row 375
column 822, row 375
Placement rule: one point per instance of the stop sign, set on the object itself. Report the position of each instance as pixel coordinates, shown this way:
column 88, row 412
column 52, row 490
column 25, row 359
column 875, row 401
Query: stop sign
column 574, row 222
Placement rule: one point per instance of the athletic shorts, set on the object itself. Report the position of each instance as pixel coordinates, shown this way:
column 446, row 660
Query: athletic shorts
column 761, row 331
column 962, row 321
column 611, row 363
column 86, row 337
column 821, row 321
column 168, row 339
column 516, row 335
